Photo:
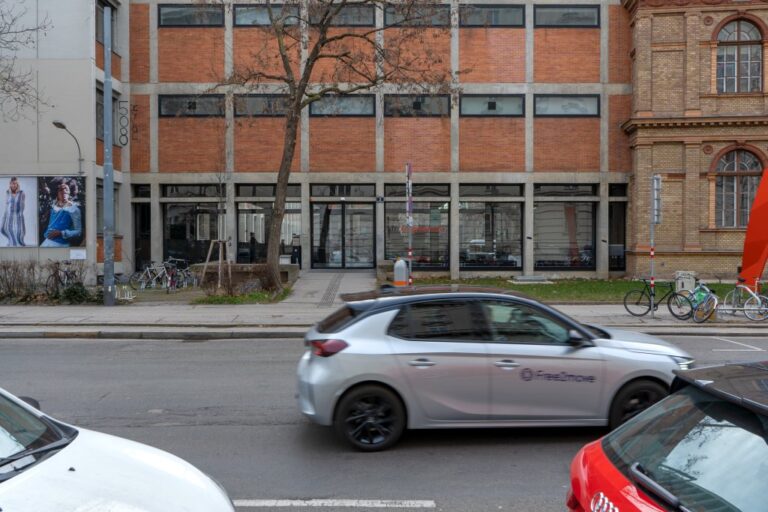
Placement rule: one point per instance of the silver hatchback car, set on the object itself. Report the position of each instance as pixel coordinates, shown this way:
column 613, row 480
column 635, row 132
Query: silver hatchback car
column 452, row 357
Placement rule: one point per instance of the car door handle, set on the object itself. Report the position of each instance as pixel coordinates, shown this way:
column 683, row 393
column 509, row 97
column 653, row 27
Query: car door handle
column 506, row 364
column 422, row 362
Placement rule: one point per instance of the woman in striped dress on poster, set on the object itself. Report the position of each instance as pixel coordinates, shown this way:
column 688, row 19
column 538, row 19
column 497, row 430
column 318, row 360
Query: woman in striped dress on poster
column 12, row 226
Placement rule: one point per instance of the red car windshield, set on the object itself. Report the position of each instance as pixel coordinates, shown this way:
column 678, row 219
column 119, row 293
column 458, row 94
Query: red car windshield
column 709, row 454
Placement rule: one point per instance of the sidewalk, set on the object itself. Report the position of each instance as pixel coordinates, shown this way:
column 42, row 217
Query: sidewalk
column 315, row 295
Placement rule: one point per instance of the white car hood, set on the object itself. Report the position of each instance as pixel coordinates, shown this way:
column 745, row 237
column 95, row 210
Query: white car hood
column 102, row 473
column 641, row 342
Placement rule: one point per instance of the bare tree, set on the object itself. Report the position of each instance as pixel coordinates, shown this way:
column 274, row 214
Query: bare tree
column 309, row 50
column 17, row 85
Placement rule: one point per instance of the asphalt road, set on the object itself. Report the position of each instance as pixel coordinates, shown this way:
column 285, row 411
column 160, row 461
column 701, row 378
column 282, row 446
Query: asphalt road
column 228, row 407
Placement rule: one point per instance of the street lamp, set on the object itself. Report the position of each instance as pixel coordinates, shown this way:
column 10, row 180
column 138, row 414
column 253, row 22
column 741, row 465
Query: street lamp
column 62, row 126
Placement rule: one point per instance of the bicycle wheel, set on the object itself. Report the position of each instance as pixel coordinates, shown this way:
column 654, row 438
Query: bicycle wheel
column 52, row 285
column 732, row 302
column 680, row 306
column 756, row 310
column 705, row 309
column 136, row 280
column 637, row 302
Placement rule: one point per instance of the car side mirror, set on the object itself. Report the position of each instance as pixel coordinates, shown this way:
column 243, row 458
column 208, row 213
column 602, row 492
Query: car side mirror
column 30, row 401
column 576, row 339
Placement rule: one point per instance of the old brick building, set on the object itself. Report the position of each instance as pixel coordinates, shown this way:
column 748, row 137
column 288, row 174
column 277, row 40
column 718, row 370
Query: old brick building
column 698, row 119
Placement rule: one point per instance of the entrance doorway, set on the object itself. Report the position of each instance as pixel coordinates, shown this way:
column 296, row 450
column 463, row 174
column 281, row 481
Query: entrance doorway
column 342, row 235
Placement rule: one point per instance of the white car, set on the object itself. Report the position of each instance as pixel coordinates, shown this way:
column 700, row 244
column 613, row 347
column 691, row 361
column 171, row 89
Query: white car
column 47, row 466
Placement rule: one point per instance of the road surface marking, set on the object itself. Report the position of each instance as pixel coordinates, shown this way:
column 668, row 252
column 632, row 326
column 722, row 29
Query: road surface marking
column 337, row 503
column 750, row 347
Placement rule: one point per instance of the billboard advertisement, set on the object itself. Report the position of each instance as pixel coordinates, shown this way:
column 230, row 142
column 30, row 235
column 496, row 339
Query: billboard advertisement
column 18, row 203
column 61, row 211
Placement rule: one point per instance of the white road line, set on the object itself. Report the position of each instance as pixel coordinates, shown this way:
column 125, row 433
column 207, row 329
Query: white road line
column 336, row 503
column 752, row 349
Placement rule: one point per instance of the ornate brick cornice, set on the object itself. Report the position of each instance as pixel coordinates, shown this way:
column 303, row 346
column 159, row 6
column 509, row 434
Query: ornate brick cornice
column 634, row 5
column 636, row 123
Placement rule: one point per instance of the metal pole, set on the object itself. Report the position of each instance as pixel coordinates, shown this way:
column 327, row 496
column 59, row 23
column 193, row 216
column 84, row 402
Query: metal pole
column 409, row 212
column 109, row 180
column 655, row 219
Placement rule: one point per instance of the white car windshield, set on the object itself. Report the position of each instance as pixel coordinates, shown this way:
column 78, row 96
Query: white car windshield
column 20, row 430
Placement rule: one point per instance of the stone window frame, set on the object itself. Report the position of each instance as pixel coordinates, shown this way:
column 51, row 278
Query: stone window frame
column 715, row 173
column 716, row 44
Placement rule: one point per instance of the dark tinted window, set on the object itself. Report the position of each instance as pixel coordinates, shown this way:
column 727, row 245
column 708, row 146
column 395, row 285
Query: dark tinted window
column 343, row 190
column 141, row 191
column 617, row 189
column 348, row 16
column 192, row 106
column 340, row 106
column 411, row 15
column 490, row 106
column 191, row 16
column 709, row 453
column 337, row 320
column 401, row 325
column 567, row 16
column 416, row 106
column 491, row 190
column 266, row 191
column 258, row 15
column 517, row 323
column 565, row 190
column 261, row 105
column 418, row 190
column 448, row 320
column 211, row 190
column 491, row 16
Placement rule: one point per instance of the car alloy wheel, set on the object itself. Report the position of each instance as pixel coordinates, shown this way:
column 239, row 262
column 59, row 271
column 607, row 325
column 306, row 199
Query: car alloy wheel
column 633, row 399
column 371, row 418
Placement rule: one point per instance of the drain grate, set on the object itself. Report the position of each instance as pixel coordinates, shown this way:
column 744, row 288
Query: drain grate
column 331, row 291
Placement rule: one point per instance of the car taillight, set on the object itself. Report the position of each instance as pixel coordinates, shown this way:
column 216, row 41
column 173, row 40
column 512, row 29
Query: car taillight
column 326, row 348
column 572, row 503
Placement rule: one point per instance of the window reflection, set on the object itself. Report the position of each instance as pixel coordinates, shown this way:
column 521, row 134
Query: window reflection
column 253, row 221
column 430, row 233
column 490, row 235
column 564, row 235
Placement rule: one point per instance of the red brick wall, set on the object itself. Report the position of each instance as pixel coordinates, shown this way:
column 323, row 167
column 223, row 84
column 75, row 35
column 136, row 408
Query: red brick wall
column 116, row 63
column 117, row 155
column 425, row 142
column 566, row 55
column 139, row 133
column 359, row 52
column 619, row 154
column 342, row 144
column 255, row 49
column 259, row 145
column 190, row 54
column 426, row 51
column 100, row 248
column 566, row 144
column 139, row 48
column 492, row 144
column 492, row 54
column 188, row 144
column 619, row 44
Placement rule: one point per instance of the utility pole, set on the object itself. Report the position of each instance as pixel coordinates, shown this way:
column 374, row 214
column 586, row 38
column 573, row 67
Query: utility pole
column 655, row 219
column 409, row 219
column 109, row 180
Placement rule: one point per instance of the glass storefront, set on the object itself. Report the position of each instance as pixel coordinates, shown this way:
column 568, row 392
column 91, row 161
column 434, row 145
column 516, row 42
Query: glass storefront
column 564, row 235
column 490, row 235
column 253, row 221
column 430, row 233
column 343, row 235
column 188, row 229
column 617, row 222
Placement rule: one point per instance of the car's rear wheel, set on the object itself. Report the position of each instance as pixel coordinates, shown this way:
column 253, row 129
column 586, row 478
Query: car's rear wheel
column 370, row 418
column 633, row 399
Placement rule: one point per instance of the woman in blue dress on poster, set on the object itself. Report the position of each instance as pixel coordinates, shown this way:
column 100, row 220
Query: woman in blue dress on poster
column 65, row 221
column 13, row 227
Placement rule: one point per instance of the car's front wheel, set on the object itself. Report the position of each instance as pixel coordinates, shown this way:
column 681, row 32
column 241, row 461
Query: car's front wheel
column 370, row 418
column 633, row 399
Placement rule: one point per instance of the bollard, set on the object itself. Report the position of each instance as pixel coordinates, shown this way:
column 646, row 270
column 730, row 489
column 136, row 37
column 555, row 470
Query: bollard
column 401, row 272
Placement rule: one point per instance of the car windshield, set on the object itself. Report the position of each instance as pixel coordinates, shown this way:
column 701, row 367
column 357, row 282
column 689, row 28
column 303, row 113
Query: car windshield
column 711, row 454
column 20, row 430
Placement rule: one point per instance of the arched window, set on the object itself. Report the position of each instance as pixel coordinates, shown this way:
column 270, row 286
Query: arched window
column 739, row 58
column 738, row 175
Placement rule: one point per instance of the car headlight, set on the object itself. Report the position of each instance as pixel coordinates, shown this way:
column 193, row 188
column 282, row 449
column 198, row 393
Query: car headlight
column 685, row 363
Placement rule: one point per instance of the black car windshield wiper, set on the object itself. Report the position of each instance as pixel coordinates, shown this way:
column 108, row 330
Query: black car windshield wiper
column 641, row 478
column 56, row 445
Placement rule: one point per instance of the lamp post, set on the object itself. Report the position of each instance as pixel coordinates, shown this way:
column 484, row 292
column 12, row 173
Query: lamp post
column 62, row 126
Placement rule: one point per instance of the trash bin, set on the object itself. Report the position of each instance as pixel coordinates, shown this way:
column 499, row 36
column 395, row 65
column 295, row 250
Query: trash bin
column 685, row 280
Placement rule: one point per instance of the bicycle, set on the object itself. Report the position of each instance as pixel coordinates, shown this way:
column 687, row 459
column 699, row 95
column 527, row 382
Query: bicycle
column 638, row 302
column 704, row 302
column 743, row 298
column 60, row 278
column 149, row 277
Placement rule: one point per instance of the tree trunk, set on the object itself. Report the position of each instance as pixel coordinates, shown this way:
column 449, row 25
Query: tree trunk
column 272, row 279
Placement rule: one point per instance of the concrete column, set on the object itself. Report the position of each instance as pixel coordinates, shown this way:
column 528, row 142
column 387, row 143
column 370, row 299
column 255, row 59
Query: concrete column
column 153, row 51
column 692, row 89
column 529, row 49
column 154, row 131
column 693, row 203
column 228, row 39
column 231, row 222
column 380, row 133
column 380, row 225
column 455, row 85
column 453, row 243
column 643, row 65
column 156, row 223
column 528, row 230
column 602, row 232
column 229, row 133
column 306, row 226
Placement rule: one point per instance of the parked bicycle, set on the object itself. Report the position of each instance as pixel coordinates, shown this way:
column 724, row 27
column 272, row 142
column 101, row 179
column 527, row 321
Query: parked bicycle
column 62, row 276
column 748, row 301
column 171, row 274
column 638, row 302
column 152, row 276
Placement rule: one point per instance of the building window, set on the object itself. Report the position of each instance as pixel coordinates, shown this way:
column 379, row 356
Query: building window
column 100, row 4
column 491, row 234
column 490, row 190
column 739, row 58
column 191, row 15
column 212, row 190
column 348, row 16
column 258, row 15
column 555, row 105
column 293, row 190
column 100, row 116
column 617, row 228
column 188, row 229
column 417, row 190
column 209, row 105
column 262, row 105
column 490, row 106
column 564, row 190
column 411, row 15
column 430, row 233
column 554, row 16
column 347, row 106
column 564, row 235
column 406, row 105
column 253, row 221
column 492, row 16
column 343, row 190
column 738, row 176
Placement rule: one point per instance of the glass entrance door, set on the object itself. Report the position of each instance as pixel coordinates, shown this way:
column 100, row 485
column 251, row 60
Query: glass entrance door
column 342, row 235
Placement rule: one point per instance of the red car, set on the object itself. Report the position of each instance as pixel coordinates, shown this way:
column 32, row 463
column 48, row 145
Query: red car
column 702, row 449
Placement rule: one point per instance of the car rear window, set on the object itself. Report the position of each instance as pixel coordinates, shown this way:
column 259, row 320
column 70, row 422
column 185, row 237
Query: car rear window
column 337, row 320
column 711, row 454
